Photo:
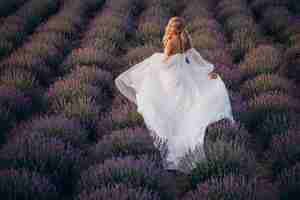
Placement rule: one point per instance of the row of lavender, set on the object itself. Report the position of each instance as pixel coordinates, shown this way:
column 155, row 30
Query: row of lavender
column 16, row 27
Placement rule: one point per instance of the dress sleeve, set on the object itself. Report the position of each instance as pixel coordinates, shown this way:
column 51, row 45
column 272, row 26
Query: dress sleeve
column 204, row 65
column 124, row 85
column 130, row 80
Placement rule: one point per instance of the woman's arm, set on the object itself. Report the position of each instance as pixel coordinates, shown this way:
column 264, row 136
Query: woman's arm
column 209, row 66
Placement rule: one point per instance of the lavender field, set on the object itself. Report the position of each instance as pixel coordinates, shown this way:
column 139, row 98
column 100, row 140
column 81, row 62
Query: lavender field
column 67, row 133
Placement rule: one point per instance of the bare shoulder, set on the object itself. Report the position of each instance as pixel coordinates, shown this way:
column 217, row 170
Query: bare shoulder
column 173, row 40
column 157, row 54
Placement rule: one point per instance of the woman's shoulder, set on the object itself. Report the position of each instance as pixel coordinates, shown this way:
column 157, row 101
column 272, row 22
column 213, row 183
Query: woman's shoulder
column 160, row 55
column 157, row 54
column 153, row 55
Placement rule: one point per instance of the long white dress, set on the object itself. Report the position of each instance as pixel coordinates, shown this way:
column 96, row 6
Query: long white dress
column 176, row 99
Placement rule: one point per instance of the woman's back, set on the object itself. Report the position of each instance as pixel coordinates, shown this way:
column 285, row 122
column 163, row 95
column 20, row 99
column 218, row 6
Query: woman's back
column 175, row 45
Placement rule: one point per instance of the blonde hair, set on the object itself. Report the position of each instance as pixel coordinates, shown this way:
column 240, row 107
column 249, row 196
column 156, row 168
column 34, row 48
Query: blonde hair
column 176, row 27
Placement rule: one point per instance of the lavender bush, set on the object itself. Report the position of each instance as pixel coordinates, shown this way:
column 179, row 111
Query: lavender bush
column 153, row 20
column 10, row 6
column 264, row 59
column 265, row 83
column 284, row 151
column 222, row 157
column 204, row 41
column 23, row 184
column 17, row 26
column 107, row 37
column 245, row 39
column 124, row 8
column 68, row 130
column 124, row 113
column 150, row 33
column 231, row 75
column 258, row 5
column 87, row 111
column 282, row 18
column 135, row 141
column 290, row 67
column 25, row 82
column 238, row 22
column 195, row 11
column 269, row 114
column 289, row 183
column 266, row 104
column 29, row 62
column 46, row 47
column 293, row 5
column 89, row 56
column 49, row 156
column 19, row 78
column 238, row 104
column 63, row 95
column 233, row 186
column 226, row 131
column 292, row 31
column 14, row 106
column 142, row 172
column 119, row 192
column 228, row 9
column 96, row 77
column 240, row 26
column 276, row 124
column 138, row 54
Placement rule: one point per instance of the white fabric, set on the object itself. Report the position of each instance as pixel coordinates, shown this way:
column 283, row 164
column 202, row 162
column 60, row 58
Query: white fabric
column 176, row 99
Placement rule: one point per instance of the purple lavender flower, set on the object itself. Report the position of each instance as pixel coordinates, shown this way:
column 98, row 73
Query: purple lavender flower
column 119, row 192
column 69, row 130
column 283, row 151
column 142, row 172
column 233, row 186
column 289, row 182
column 135, row 141
column 48, row 156
column 23, row 184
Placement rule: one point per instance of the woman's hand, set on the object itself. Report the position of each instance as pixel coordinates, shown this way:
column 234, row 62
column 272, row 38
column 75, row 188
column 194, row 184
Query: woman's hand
column 212, row 75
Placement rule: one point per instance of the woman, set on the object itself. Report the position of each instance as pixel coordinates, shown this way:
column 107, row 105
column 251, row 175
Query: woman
column 177, row 93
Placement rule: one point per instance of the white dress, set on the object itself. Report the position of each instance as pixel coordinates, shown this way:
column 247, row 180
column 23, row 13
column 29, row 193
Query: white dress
column 176, row 99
